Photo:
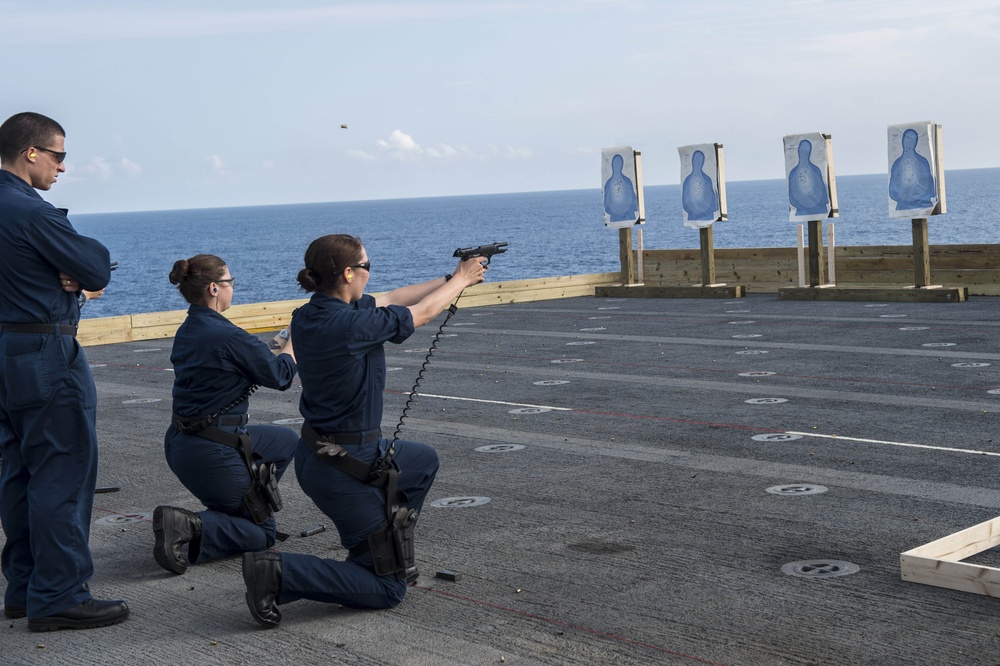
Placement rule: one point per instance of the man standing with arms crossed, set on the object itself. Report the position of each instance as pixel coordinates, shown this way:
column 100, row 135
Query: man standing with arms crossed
column 48, row 401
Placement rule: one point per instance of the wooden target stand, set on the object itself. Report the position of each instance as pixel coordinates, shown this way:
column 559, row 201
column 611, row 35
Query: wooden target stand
column 709, row 288
column 921, row 291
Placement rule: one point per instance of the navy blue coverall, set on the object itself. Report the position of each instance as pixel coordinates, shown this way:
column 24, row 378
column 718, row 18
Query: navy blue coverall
column 339, row 347
column 48, row 404
column 215, row 362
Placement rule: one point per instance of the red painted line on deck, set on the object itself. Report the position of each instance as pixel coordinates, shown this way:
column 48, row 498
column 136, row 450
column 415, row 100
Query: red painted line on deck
column 568, row 625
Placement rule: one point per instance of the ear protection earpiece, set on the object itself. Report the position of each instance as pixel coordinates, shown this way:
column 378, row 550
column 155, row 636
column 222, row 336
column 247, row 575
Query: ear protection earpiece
column 32, row 154
column 215, row 290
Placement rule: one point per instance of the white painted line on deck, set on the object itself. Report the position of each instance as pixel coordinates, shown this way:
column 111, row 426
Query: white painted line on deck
column 904, row 444
column 492, row 402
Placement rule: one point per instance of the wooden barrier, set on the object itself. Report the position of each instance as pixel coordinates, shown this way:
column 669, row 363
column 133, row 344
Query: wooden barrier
column 939, row 562
column 257, row 317
column 772, row 269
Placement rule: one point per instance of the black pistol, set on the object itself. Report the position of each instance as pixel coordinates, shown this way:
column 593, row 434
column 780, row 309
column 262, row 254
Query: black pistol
column 487, row 251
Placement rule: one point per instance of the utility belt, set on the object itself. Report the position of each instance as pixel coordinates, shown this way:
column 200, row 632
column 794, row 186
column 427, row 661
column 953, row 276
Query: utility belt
column 391, row 544
column 263, row 499
column 52, row 329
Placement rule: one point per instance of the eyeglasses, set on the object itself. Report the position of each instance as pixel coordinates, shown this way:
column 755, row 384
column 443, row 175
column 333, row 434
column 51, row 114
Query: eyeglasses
column 59, row 157
column 231, row 281
column 367, row 265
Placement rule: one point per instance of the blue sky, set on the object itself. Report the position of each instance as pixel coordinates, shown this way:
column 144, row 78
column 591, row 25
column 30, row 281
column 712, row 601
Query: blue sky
column 187, row 104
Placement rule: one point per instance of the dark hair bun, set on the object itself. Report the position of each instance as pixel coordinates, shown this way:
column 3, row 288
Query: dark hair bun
column 306, row 279
column 179, row 272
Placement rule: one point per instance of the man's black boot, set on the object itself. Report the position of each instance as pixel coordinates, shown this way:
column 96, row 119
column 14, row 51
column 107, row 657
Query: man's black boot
column 262, row 575
column 173, row 528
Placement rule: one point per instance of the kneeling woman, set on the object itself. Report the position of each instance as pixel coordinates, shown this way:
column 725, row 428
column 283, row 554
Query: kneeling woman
column 216, row 364
column 339, row 335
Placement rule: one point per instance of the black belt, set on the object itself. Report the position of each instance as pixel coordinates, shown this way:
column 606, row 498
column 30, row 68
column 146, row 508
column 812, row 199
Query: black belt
column 224, row 420
column 341, row 438
column 56, row 329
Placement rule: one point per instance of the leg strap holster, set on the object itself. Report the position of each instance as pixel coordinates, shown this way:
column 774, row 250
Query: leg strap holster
column 263, row 499
column 391, row 544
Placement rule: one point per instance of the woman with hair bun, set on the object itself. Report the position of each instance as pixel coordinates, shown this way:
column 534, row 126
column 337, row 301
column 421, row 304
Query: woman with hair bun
column 216, row 366
column 339, row 335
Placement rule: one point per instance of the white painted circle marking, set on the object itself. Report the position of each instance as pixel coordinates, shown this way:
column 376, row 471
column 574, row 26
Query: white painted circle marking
column 893, row 316
column 140, row 401
column 915, row 328
column 124, row 518
column 551, row 382
column 970, row 365
column 612, row 307
column 292, row 421
column 466, row 323
column 143, row 351
column 938, row 344
column 877, row 305
column 580, row 343
column 748, row 335
column 775, row 437
column 392, row 369
column 765, row 401
column 415, row 351
column 737, row 311
column 757, row 373
column 460, row 502
column 740, row 323
column 567, row 360
column 753, row 352
column 609, row 317
column 98, row 365
column 499, row 448
column 530, row 410
column 994, row 391
column 594, row 328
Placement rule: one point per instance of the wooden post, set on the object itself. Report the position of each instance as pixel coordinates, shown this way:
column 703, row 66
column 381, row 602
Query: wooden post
column 921, row 254
column 625, row 254
column 707, row 256
column 816, row 269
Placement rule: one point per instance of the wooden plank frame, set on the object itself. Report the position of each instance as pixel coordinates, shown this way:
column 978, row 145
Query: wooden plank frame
column 939, row 562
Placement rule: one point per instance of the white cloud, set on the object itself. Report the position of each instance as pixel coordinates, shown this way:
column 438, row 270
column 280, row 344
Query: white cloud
column 131, row 168
column 518, row 153
column 218, row 166
column 400, row 146
column 361, row 155
column 99, row 168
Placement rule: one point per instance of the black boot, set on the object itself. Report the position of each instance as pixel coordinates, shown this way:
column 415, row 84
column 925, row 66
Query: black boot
column 262, row 574
column 173, row 528
column 88, row 615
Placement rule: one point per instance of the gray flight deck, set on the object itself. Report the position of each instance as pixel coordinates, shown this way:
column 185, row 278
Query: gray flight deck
column 619, row 512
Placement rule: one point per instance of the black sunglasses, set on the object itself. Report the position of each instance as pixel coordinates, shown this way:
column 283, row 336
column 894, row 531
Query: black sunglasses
column 55, row 153
column 367, row 265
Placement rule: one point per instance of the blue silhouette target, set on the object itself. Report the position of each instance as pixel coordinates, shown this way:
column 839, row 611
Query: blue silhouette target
column 913, row 177
column 808, row 174
column 621, row 193
column 700, row 191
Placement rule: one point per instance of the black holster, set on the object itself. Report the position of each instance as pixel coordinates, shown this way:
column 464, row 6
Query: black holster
column 263, row 499
column 391, row 544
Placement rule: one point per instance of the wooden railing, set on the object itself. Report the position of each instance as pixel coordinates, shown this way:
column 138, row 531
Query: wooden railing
column 275, row 315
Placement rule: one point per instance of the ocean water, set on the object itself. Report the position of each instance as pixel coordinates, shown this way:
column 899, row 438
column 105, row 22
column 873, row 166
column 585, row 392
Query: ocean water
column 549, row 234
